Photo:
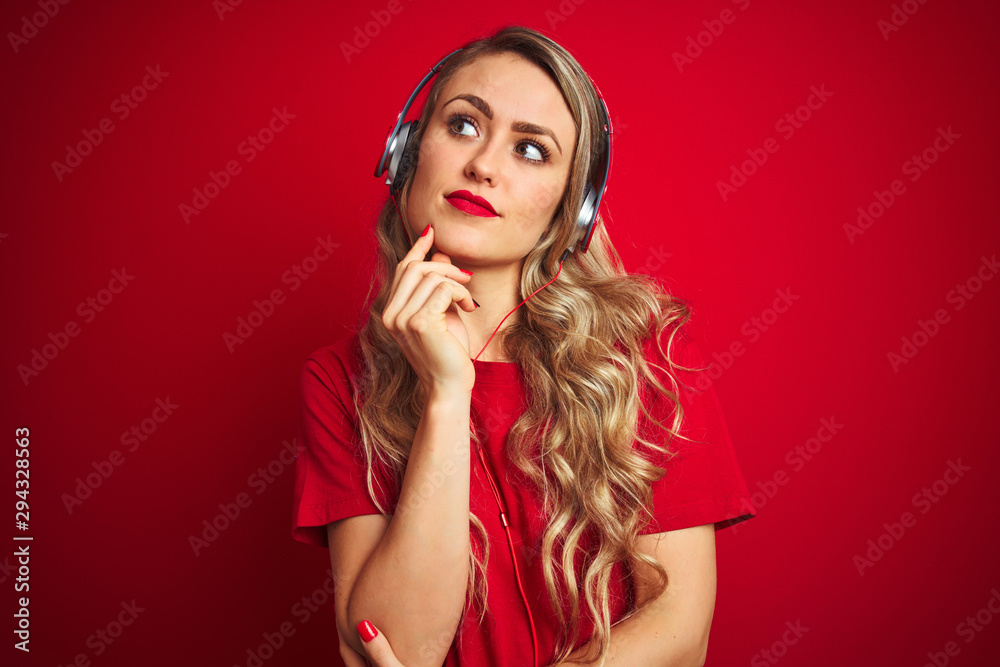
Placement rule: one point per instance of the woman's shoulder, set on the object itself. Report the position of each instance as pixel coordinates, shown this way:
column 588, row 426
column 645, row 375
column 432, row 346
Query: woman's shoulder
column 674, row 359
column 338, row 362
column 674, row 342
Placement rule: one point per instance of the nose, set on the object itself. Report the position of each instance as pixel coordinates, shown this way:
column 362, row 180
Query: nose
column 484, row 164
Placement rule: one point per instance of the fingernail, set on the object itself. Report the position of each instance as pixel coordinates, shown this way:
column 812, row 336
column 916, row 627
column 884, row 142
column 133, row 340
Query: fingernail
column 367, row 631
column 468, row 273
column 426, row 229
column 474, row 301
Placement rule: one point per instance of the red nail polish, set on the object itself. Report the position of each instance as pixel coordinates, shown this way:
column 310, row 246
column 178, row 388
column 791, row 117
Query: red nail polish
column 367, row 631
column 468, row 273
column 426, row 229
column 477, row 305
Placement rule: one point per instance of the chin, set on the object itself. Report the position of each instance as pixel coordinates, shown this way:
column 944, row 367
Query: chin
column 459, row 249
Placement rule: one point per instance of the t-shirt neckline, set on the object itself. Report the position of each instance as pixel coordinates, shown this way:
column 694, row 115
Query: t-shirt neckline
column 496, row 371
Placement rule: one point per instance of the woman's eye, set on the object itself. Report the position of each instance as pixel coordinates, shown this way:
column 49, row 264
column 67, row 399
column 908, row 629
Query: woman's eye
column 531, row 152
column 456, row 126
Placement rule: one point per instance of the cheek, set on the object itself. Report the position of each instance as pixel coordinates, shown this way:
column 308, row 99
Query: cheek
column 415, row 205
column 542, row 200
column 433, row 155
column 422, row 185
column 429, row 164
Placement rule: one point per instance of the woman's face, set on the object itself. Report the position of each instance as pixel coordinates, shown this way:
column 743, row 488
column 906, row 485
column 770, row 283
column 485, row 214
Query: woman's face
column 501, row 131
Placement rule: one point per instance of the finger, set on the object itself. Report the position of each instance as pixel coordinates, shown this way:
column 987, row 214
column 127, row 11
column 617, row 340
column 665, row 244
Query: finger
column 421, row 299
column 348, row 654
column 425, row 312
column 417, row 252
column 441, row 257
column 377, row 646
column 414, row 272
column 414, row 275
column 351, row 657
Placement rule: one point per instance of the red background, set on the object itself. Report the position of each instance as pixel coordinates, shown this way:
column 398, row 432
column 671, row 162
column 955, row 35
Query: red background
column 677, row 134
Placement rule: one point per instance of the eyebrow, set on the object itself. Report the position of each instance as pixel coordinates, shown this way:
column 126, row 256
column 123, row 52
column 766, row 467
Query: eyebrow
column 517, row 126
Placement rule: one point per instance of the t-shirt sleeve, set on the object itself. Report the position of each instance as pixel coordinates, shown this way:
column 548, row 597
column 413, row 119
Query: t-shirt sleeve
column 703, row 482
column 330, row 470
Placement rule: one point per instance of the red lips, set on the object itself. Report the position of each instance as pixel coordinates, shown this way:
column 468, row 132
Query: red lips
column 470, row 203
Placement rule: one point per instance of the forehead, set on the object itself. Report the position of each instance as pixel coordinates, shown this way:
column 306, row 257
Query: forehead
column 516, row 90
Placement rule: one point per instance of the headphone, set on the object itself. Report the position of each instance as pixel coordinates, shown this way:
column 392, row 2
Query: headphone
column 400, row 156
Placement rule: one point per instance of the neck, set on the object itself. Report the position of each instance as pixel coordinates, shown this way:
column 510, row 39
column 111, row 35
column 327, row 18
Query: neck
column 496, row 290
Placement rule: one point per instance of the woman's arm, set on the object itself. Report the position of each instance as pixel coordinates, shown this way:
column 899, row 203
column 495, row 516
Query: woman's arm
column 673, row 629
column 410, row 578
column 408, row 573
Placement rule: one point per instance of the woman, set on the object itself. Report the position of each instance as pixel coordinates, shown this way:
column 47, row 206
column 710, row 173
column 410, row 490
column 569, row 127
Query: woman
column 565, row 421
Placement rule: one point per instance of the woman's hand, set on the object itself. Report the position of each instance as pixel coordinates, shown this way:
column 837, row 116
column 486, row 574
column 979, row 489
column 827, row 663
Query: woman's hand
column 350, row 657
column 377, row 646
column 422, row 316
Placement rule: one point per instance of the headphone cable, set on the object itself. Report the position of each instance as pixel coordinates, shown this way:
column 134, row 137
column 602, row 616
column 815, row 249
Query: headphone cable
column 513, row 557
column 558, row 271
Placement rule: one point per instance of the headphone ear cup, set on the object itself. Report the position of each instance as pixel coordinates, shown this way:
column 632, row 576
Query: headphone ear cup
column 586, row 219
column 407, row 157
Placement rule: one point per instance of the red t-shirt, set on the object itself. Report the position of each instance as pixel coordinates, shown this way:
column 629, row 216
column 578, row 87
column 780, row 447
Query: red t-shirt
column 703, row 484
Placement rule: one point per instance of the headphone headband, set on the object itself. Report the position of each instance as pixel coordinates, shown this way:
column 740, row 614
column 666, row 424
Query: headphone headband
column 390, row 139
column 399, row 152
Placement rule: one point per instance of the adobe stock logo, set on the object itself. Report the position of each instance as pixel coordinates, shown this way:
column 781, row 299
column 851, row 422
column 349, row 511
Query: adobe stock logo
column 753, row 329
column 223, row 7
column 779, row 649
column 787, row 126
column 303, row 611
column 562, row 12
column 915, row 167
column 87, row 309
column 655, row 260
column 922, row 500
column 797, row 457
column 229, row 512
column 102, row 638
column 898, row 17
column 38, row 20
column 959, row 296
column 697, row 44
column 103, row 469
column 249, row 148
column 967, row 629
column 294, row 276
column 381, row 18
column 122, row 106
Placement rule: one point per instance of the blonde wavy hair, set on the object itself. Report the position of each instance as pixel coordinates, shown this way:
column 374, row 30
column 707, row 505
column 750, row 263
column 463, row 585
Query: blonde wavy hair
column 579, row 343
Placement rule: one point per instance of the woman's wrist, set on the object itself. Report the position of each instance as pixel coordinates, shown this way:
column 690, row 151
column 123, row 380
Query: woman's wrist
column 447, row 396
